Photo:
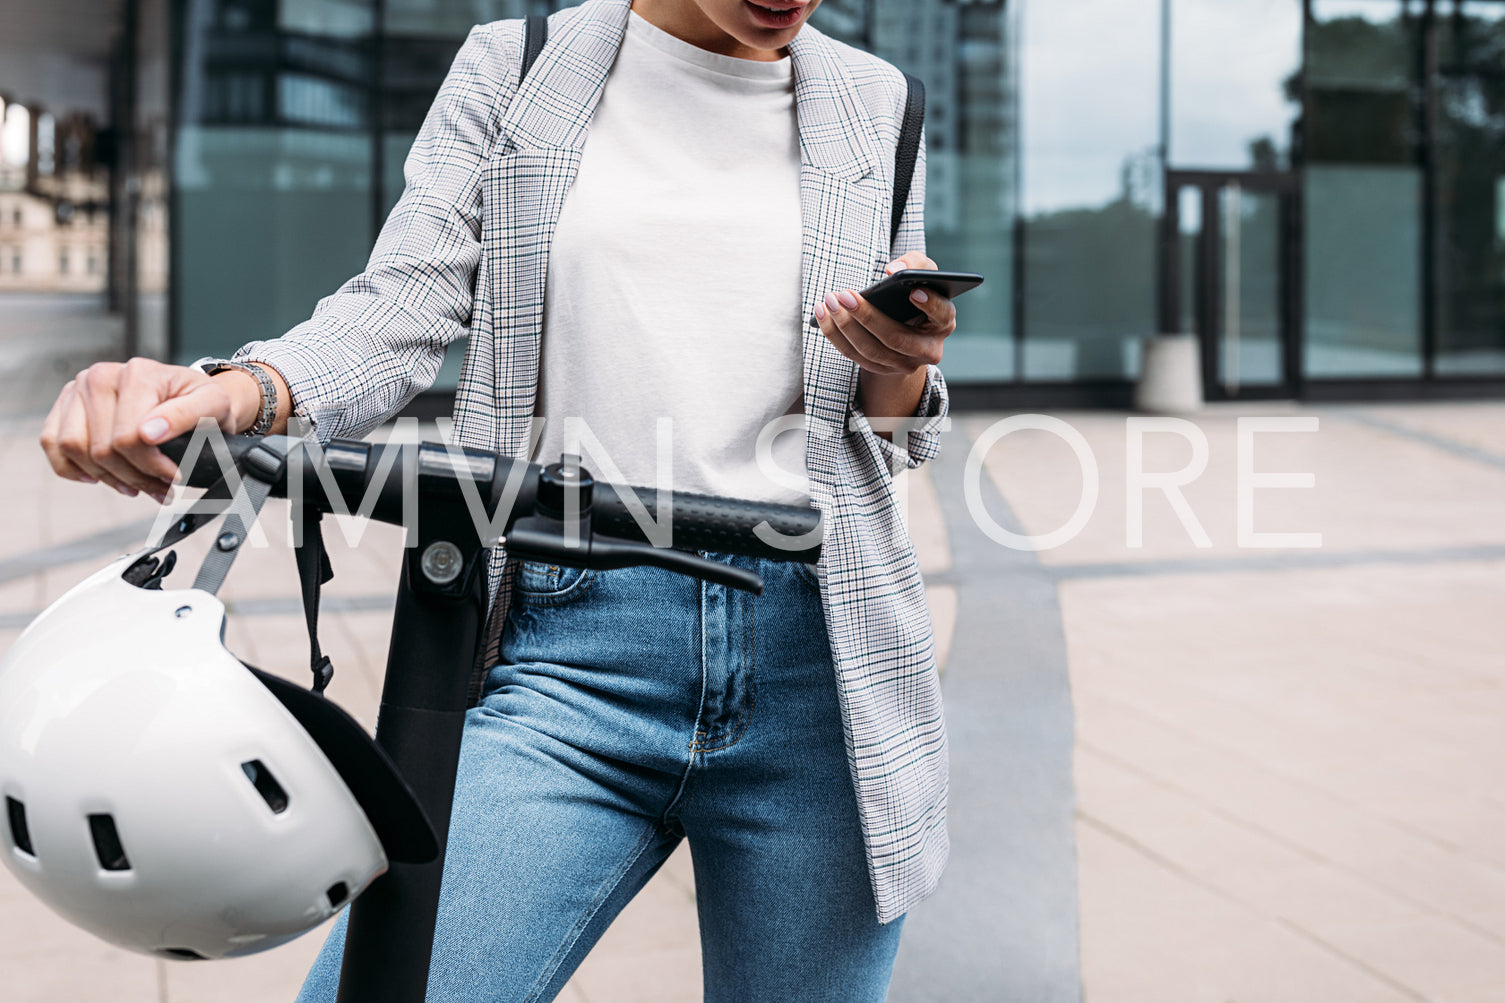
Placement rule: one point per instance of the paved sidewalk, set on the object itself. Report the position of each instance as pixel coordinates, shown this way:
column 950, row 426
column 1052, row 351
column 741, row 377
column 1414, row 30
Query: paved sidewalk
column 1288, row 762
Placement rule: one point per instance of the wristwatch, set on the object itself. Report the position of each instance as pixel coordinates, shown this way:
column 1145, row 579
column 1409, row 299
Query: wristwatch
column 268, row 414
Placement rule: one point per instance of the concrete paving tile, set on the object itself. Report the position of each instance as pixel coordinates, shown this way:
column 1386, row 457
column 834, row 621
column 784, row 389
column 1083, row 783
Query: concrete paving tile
column 1474, row 424
column 1439, row 960
column 44, row 959
column 679, row 872
column 1370, row 487
column 1373, row 848
column 572, row 993
column 941, row 601
column 926, row 524
column 21, row 595
column 1327, row 739
column 281, row 647
column 1328, row 905
column 671, row 976
column 652, row 951
column 358, row 643
column 69, row 510
column 270, row 976
column 1173, row 825
column 1151, row 935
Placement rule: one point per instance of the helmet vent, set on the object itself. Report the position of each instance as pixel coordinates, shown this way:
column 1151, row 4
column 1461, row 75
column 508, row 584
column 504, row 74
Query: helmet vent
column 107, row 843
column 266, row 785
column 181, row 954
column 337, row 893
column 20, row 835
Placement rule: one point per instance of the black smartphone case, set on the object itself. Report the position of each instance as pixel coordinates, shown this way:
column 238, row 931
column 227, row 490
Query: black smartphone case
column 892, row 294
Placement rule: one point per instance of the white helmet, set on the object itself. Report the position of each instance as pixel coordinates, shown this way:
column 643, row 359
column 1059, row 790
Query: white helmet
column 172, row 800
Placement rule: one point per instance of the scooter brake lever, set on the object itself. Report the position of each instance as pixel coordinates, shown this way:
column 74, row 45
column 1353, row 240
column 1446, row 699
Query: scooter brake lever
column 536, row 538
column 611, row 552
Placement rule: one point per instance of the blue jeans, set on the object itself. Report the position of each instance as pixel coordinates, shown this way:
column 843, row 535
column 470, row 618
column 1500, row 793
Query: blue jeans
column 632, row 709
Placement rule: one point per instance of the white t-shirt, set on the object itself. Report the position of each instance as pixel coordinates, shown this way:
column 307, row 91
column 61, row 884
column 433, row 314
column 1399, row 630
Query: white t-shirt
column 673, row 289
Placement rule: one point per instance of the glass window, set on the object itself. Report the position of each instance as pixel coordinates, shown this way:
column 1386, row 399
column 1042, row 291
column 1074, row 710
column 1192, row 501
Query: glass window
column 270, row 222
column 1235, row 83
column 1089, row 90
column 1362, row 191
column 964, row 54
column 329, row 18
column 273, row 165
column 1363, row 271
column 1470, row 179
column 420, row 39
column 1360, row 67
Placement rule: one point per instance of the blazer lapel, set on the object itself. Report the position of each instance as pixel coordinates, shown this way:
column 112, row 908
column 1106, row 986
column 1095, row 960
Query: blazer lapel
column 554, row 105
column 842, row 207
column 526, row 182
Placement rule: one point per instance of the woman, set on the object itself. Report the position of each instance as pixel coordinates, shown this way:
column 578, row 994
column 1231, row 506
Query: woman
column 684, row 194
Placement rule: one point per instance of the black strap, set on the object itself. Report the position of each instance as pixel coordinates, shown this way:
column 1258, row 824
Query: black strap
column 535, row 34
column 313, row 572
column 259, row 469
column 908, row 152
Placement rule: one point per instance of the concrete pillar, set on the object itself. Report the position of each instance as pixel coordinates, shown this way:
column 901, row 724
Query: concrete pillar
column 1170, row 378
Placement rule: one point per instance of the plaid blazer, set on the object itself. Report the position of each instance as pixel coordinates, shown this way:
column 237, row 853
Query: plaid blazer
column 465, row 254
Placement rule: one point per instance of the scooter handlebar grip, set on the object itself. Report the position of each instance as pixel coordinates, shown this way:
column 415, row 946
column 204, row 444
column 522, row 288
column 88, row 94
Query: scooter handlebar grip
column 207, row 467
column 722, row 525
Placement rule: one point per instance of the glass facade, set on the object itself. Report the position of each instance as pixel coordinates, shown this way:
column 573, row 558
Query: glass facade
column 1469, row 194
column 1364, row 190
column 1334, row 171
column 295, row 117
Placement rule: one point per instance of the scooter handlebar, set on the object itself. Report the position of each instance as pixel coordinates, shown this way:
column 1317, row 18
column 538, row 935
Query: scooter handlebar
column 699, row 522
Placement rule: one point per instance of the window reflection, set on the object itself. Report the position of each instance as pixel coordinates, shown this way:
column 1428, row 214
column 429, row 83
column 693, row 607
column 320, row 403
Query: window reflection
column 1089, row 87
column 1362, row 191
column 1234, row 73
column 1470, row 200
column 272, row 164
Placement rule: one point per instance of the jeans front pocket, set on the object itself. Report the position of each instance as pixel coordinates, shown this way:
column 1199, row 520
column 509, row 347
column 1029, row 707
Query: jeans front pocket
column 539, row 583
column 808, row 574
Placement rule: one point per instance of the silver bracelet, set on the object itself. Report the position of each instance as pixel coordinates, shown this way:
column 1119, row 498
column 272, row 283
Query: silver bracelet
column 268, row 413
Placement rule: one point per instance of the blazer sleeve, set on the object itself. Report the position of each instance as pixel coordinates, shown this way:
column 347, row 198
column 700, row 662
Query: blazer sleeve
column 379, row 340
column 924, row 440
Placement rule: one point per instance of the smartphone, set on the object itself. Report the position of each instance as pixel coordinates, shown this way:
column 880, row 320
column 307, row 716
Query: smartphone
column 892, row 294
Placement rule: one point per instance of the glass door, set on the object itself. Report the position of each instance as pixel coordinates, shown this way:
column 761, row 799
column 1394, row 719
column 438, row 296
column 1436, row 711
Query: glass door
column 1230, row 278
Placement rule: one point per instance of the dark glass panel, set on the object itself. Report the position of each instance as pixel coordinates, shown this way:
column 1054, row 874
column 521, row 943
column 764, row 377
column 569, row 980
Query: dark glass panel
column 1091, row 186
column 1363, row 213
column 1470, row 198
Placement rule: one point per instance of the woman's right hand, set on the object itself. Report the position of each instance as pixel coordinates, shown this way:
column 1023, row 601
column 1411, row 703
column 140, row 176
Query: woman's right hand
column 108, row 421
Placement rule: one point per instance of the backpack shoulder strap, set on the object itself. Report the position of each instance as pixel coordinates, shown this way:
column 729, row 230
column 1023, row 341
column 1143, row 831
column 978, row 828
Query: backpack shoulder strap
column 535, row 34
column 908, row 152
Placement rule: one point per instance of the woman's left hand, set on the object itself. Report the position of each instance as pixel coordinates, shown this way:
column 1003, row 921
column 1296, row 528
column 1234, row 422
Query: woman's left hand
column 877, row 342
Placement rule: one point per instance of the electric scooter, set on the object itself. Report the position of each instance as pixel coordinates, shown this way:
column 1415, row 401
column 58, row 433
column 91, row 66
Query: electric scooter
column 444, row 495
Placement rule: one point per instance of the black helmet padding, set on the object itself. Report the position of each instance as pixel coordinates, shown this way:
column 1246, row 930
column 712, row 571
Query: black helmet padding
column 394, row 812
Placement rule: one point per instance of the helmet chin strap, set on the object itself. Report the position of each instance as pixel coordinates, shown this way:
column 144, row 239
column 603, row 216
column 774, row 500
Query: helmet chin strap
column 259, row 470
column 241, row 503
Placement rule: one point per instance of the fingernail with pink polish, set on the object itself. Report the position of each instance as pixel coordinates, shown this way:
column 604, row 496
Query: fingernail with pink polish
column 126, row 490
column 832, row 303
column 820, row 311
column 920, row 296
column 847, row 300
column 86, row 479
column 154, row 430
